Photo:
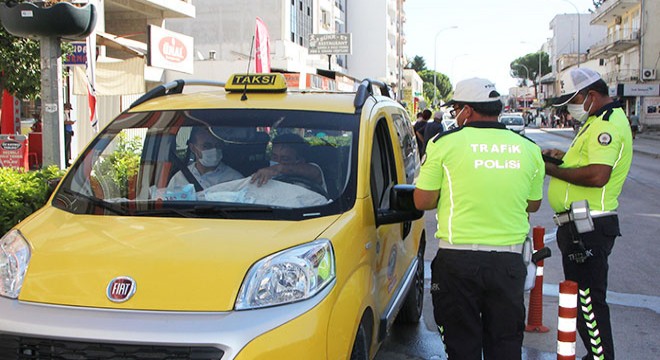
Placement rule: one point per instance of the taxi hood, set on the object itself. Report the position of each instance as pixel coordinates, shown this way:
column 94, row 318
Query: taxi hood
column 176, row 264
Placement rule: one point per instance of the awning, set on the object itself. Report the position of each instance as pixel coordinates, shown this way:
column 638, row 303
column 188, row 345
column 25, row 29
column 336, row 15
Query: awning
column 548, row 78
column 113, row 77
column 116, row 42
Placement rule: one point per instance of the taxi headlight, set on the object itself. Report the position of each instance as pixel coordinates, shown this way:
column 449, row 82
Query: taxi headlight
column 291, row 275
column 14, row 259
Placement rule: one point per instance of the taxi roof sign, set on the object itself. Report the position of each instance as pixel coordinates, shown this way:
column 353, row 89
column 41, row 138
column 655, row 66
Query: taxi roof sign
column 271, row 82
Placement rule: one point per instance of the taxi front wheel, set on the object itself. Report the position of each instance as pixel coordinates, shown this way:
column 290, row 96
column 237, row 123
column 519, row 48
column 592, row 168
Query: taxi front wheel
column 360, row 345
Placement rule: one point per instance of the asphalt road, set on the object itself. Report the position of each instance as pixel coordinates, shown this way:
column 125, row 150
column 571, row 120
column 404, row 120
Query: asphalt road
column 634, row 294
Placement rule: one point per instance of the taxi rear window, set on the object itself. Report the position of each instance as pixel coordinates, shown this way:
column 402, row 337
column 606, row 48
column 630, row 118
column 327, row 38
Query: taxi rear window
column 267, row 164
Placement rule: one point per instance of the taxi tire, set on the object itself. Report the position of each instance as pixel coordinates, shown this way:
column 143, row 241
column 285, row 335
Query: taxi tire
column 360, row 344
column 411, row 311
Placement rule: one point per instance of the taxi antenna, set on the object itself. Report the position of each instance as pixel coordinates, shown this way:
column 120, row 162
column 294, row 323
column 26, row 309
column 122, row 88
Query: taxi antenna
column 244, row 96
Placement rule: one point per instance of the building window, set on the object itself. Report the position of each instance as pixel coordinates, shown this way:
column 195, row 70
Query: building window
column 301, row 22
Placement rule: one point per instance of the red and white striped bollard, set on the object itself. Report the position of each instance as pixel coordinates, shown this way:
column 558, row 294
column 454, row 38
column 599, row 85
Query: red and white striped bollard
column 567, row 322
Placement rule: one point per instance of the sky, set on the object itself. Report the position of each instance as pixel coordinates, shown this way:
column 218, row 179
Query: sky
column 489, row 34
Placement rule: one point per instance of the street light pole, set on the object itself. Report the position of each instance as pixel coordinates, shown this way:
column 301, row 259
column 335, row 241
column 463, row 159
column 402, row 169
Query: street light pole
column 578, row 31
column 435, row 56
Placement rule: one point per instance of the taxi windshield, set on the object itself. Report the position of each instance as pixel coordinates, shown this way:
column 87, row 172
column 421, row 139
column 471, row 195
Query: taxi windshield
column 266, row 164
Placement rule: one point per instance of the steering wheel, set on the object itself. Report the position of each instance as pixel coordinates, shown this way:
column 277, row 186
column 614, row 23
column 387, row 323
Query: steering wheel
column 302, row 181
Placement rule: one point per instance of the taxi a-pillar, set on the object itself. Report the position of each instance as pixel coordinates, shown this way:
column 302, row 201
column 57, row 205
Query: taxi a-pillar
column 52, row 114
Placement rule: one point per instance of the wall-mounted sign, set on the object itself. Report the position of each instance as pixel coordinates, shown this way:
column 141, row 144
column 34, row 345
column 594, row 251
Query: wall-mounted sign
column 330, row 44
column 13, row 151
column 641, row 89
column 170, row 50
column 78, row 56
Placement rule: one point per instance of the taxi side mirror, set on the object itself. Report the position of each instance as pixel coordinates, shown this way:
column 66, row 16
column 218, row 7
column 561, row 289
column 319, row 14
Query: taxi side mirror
column 402, row 207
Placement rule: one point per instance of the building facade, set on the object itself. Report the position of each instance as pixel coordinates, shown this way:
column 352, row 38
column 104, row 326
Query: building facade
column 623, row 48
column 629, row 55
column 122, row 73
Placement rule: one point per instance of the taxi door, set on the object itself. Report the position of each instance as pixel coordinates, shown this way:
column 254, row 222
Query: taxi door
column 393, row 256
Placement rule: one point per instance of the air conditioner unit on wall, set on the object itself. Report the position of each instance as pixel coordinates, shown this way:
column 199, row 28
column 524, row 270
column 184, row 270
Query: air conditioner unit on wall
column 648, row 74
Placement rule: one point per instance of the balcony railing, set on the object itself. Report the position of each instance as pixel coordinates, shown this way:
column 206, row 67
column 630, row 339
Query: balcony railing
column 616, row 43
column 622, row 75
column 610, row 9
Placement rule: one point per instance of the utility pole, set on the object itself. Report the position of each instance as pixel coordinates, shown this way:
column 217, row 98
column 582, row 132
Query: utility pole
column 52, row 114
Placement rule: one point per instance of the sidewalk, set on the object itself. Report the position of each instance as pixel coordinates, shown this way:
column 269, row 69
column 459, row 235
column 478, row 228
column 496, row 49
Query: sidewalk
column 647, row 143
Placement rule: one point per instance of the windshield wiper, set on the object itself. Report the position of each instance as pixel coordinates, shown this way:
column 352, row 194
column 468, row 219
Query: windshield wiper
column 227, row 209
column 187, row 213
column 199, row 210
column 96, row 201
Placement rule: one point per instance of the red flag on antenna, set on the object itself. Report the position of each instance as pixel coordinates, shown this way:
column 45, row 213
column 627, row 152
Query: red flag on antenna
column 263, row 47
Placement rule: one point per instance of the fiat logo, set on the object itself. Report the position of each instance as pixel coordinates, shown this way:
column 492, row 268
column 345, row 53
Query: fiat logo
column 120, row 289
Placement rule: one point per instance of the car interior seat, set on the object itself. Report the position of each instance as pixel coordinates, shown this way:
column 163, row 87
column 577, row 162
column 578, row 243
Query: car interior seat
column 249, row 155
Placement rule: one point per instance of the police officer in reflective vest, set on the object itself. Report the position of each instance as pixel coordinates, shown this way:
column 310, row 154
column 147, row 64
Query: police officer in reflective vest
column 594, row 169
column 483, row 179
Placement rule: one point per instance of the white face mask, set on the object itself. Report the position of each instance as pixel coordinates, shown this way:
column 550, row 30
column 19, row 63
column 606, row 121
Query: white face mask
column 577, row 111
column 211, row 157
column 273, row 163
column 459, row 114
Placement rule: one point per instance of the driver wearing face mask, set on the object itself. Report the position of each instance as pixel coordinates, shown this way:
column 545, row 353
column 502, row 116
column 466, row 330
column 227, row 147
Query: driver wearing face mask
column 208, row 168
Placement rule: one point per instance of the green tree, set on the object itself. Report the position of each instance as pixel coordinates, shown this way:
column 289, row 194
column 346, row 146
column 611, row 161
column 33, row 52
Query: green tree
column 417, row 63
column 115, row 171
column 443, row 85
column 535, row 62
column 20, row 67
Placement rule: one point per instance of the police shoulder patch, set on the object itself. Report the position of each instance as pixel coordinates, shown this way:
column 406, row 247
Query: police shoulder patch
column 604, row 138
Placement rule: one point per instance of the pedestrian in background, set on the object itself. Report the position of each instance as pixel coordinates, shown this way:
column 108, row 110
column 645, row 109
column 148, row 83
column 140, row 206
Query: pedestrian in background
column 419, row 127
column 634, row 123
column 68, row 133
column 483, row 179
column 433, row 127
column 594, row 169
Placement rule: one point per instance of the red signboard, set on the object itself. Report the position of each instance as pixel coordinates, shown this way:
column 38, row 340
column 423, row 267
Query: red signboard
column 14, row 152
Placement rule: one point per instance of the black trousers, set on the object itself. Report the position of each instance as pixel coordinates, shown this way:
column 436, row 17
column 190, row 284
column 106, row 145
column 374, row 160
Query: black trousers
column 67, row 146
column 478, row 303
column 591, row 277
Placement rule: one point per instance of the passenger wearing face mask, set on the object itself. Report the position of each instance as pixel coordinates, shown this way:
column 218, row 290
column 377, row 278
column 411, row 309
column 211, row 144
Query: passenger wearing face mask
column 594, row 169
column 208, row 168
column 483, row 179
column 288, row 160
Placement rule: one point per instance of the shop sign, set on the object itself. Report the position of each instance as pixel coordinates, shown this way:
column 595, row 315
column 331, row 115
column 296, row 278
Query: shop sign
column 78, row 56
column 170, row 50
column 641, row 89
column 330, row 44
column 13, row 151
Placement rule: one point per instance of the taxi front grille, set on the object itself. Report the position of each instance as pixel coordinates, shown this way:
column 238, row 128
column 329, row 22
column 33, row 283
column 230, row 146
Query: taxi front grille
column 27, row 348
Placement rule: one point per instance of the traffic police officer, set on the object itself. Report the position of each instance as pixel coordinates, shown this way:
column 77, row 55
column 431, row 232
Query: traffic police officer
column 594, row 169
column 483, row 179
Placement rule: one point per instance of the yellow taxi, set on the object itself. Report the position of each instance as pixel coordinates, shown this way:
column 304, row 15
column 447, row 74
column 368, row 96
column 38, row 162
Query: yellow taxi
column 243, row 222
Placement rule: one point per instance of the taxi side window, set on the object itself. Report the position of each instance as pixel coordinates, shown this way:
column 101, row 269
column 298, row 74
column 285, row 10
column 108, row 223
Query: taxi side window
column 383, row 170
column 408, row 145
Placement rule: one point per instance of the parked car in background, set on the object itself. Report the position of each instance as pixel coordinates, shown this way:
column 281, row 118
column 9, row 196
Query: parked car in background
column 513, row 121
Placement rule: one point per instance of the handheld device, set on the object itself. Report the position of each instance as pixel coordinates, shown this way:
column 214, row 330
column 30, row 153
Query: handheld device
column 553, row 160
